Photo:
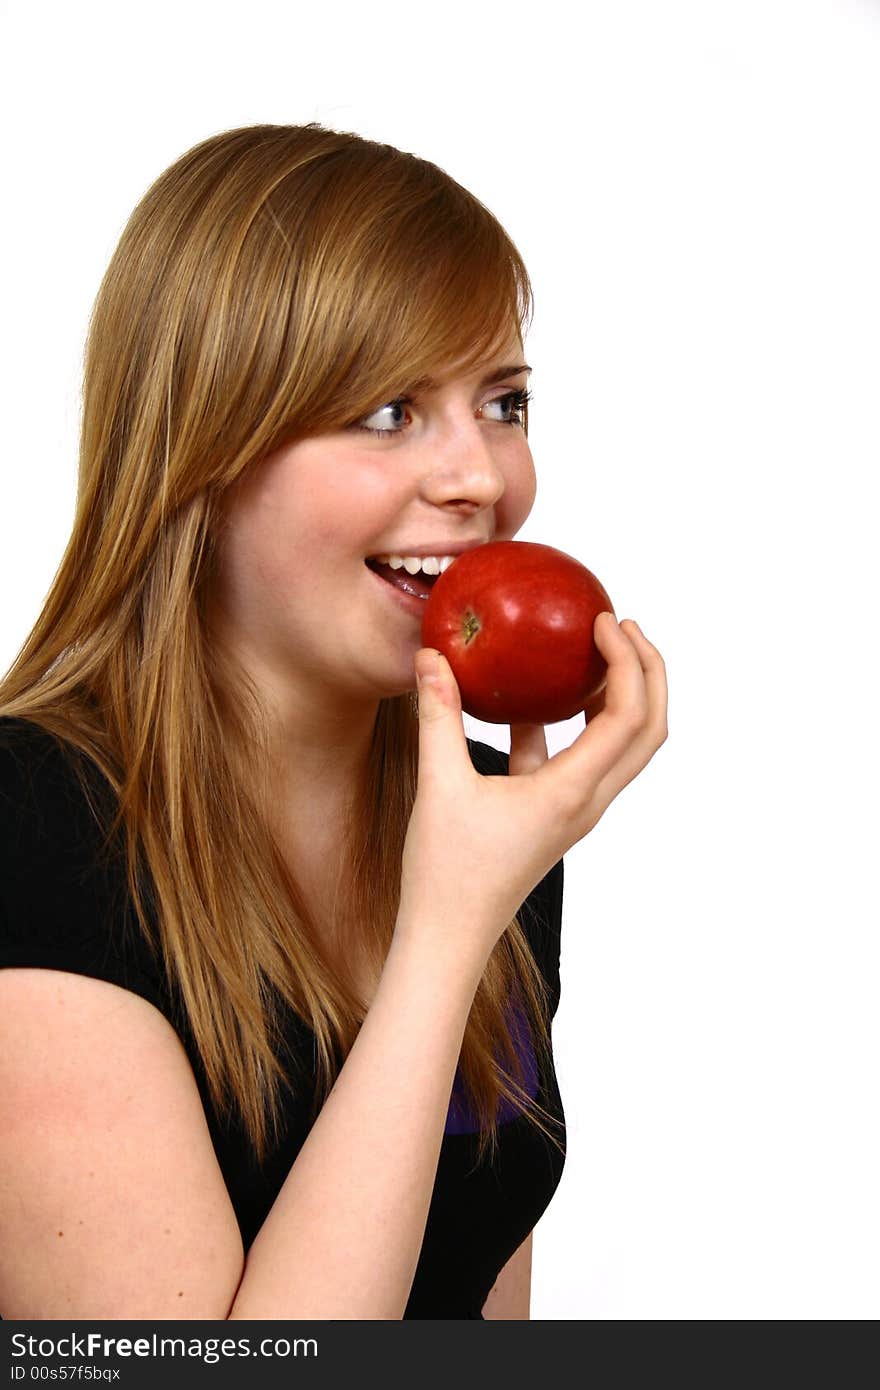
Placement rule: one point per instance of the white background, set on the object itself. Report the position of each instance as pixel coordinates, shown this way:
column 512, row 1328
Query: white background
column 694, row 187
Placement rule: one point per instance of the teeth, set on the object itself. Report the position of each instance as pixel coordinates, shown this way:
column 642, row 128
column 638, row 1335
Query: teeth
column 428, row 564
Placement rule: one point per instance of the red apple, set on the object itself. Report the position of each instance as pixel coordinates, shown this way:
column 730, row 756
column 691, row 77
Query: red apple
column 514, row 619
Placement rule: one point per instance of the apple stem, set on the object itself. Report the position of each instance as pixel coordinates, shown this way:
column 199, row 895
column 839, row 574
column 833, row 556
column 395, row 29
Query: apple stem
column 471, row 627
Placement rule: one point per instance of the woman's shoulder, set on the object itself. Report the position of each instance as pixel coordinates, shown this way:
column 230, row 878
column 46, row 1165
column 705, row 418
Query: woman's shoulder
column 52, row 797
column 64, row 897
column 32, row 759
column 21, row 741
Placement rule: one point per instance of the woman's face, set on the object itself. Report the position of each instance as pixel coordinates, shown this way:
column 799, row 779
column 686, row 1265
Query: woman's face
column 296, row 596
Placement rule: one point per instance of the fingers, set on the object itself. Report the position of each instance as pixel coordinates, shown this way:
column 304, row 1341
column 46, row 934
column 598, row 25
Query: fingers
column 623, row 709
column 528, row 748
column 654, row 730
column 442, row 740
column 626, row 723
column 656, row 689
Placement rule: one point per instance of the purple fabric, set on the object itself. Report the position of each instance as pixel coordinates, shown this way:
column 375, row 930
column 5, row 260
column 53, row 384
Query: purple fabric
column 460, row 1118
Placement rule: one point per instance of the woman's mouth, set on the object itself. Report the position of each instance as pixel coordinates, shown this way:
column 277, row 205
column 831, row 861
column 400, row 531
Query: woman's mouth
column 419, row 584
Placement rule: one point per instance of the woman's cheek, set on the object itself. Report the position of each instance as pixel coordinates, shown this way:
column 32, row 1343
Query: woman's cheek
column 519, row 495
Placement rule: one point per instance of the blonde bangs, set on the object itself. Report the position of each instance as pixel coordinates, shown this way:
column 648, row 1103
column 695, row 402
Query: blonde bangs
column 389, row 280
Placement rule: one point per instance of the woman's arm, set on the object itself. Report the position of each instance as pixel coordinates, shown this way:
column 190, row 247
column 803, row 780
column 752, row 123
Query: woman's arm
column 510, row 1295
column 344, row 1236
column 112, row 1203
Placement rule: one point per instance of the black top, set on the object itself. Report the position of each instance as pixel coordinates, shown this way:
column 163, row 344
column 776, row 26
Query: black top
column 65, row 907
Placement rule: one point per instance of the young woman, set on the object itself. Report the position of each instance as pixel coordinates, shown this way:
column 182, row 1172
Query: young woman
column 282, row 944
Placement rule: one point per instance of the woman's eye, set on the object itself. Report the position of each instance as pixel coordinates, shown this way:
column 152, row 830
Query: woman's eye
column 396, row 406
column 514, row 400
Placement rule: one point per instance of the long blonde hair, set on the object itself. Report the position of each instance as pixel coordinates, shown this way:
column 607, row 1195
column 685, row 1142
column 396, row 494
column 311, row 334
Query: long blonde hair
column 273, row 283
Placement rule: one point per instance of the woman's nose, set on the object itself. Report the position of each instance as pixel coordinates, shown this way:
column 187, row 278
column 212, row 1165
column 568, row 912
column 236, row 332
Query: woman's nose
column 464, row 470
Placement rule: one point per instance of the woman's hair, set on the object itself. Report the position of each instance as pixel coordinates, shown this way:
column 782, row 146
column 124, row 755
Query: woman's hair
column 274, row 283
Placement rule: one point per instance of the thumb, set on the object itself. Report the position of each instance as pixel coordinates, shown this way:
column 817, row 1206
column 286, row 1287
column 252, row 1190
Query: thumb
column 442, row 742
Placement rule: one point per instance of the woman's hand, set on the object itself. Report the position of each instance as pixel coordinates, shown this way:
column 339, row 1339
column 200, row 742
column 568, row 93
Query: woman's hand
column 476, row 845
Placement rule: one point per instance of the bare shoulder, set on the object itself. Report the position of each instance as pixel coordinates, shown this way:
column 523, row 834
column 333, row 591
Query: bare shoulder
column 112, row 1203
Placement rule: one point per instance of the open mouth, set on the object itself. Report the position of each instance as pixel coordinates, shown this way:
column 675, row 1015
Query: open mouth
column 418, row 584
